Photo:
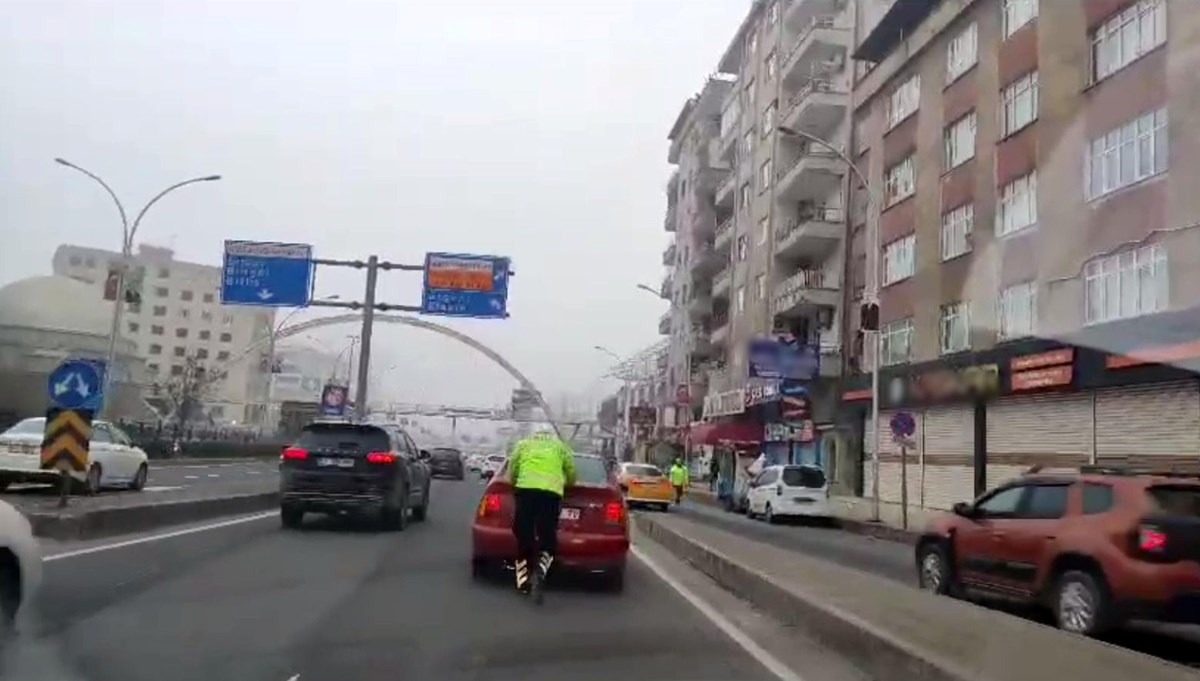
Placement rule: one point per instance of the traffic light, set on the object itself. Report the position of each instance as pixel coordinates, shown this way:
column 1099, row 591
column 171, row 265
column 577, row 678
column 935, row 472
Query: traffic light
column 869, row 317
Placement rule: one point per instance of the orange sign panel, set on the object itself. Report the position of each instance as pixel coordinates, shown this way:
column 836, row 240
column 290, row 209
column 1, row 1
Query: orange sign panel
column 459, row 274
column 1042, row 378
column 1043, row 359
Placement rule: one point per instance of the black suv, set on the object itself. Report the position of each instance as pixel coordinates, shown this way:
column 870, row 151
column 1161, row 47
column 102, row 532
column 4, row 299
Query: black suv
column 446, row 462
column 363, row 469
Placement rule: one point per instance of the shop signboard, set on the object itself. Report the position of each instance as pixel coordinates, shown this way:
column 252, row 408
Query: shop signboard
column 726, row 403
column 783, row 357
column 799, row 431
column 1051, row 369
column 762, row 393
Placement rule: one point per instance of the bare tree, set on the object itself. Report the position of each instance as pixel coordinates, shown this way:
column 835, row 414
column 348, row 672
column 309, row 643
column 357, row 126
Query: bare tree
column 185, row 392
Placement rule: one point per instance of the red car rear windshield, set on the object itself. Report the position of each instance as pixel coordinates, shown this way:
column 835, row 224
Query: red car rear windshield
column 590, row 470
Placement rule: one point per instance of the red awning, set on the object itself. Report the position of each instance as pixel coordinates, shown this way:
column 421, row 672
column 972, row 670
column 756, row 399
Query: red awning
column 731, row 433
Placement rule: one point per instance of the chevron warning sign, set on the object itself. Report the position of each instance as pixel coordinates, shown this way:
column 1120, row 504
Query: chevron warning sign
column 65, row 442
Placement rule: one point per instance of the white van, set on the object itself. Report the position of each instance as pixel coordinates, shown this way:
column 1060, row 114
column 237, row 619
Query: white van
column 789, row 491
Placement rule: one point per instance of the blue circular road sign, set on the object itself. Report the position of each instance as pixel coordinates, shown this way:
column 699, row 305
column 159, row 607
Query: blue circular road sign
column 903, row 424
column 74, row 384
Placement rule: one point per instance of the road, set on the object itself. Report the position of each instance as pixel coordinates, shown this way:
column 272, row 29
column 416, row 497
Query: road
column 894, row 561
column 252, row 601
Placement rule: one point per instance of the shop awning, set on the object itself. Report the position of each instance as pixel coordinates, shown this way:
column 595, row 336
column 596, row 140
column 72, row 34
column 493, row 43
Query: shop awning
column 731, row 433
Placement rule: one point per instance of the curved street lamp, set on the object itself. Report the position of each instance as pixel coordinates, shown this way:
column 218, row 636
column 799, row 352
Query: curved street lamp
column 128, row 232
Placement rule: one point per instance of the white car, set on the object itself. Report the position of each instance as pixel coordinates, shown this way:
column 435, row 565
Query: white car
column 113, row 459
column 20, row 564
column 788, row 491
column 492, row 465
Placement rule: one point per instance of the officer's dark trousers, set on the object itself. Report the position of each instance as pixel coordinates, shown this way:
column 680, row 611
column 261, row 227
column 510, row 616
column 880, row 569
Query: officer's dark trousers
column 536, row 522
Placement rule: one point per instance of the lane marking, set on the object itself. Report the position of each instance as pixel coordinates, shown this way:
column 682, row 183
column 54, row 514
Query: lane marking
column 214, row 475
column 253, row 472
column 161, row 488
column 766, row 659
column 159, row 537
column 191, row 477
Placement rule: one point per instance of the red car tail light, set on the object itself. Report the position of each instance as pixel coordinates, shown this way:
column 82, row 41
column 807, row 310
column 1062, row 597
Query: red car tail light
column 490, row 505
column 1151, row 539
column 381, row 457
column 294, row 454
column 614, row 512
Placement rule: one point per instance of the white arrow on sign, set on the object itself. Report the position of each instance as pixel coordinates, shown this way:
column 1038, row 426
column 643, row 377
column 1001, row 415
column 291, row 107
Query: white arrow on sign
column 64, row 385
column 265, row 295
column 81, row 387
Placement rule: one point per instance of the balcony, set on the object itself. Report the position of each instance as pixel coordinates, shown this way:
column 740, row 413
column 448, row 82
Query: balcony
column 803, row 291
column 811, row 176
column 724, row 233
column 726, row 190
column 722, row 281
column 664, row 290
column 720, row 330
column 668, row 256
column 700, row 346
column 820, row 49
column 699, row 305
column 673, row 186
column 706, row 260
column 669, row 219
column 664, row 323
column 812, row 234
column 817, row 108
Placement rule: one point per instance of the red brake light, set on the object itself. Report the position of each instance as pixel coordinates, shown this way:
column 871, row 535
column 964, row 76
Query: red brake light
column 490, row 505
column 295, row 453
column 614, row 512
column 381, row 457
column 1151, row 539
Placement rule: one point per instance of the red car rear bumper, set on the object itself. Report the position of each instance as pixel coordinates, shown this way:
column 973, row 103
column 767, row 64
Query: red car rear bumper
column 577, row 551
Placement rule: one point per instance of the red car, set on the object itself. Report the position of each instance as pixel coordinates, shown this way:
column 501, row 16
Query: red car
column 593, row 526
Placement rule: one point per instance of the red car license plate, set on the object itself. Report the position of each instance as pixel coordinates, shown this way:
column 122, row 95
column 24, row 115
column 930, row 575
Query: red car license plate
column 568, row 514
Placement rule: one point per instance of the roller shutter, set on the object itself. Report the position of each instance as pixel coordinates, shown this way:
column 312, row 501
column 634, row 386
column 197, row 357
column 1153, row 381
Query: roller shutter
column 1054, row 431
column 1149, row 425
column 949, row 455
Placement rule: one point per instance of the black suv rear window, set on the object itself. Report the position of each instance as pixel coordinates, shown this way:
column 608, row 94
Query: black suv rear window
column 1176, row 499
column 803, row 476
column 347, row 438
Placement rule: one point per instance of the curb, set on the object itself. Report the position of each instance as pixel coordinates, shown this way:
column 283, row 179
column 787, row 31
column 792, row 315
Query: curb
column 111, row 521
column 863, row 527
column 879, row 654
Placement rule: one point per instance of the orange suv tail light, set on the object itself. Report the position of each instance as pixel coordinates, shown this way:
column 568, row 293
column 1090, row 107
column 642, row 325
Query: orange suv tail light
column 1150, row 539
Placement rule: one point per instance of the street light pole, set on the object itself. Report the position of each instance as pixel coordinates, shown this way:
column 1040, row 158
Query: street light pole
column 870, row 296
column 626, row 426
column 128, row 232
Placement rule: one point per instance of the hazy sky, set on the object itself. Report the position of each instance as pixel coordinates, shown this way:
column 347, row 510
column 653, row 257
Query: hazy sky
column 534, row 129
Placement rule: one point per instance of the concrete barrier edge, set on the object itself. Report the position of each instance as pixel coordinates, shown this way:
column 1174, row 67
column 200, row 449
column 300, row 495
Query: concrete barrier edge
column 124, row 520
column 878, row 654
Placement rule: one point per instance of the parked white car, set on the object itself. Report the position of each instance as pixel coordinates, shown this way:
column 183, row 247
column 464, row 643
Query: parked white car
column 113, row 459
column 20, row 564
column 789, row 491
column 492, row 464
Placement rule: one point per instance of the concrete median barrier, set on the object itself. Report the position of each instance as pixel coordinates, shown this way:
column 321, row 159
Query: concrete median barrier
column 890, row 631
column 103, row 522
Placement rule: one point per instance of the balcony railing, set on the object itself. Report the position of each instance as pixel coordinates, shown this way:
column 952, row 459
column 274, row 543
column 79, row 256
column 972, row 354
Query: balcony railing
column 722, row 279
column 803, row 279
column 726, row 185
column 669, row 219
column 818, row 22
column 812, row 86
column 806, row 152
column 724, row 230
column 668, row 256
column 820, row 213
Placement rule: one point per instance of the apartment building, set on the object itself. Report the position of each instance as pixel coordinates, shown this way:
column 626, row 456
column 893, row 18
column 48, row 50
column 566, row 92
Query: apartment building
column 181, row 316
column 1036, row 170
column 767, row 252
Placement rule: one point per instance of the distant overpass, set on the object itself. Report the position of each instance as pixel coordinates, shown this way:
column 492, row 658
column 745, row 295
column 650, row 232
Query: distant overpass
column 475, row 413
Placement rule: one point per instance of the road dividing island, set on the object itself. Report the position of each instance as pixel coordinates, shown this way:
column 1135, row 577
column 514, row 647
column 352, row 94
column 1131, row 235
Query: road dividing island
column 84, row 521
column 891, row 632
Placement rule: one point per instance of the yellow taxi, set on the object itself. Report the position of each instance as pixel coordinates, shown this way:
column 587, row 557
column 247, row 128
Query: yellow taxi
column 643, row 483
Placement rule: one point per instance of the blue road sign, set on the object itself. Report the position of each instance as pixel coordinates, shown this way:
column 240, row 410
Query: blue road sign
column 459, row 285
column 333, row 400
column 266, row 273
column 903, row 425
column 75, row 384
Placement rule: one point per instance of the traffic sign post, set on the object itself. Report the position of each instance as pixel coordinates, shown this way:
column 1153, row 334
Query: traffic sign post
column 903, row 426
column 76, row 384
column 65, row 444
column 333, row 400
column 267, row 274
column 460, row 285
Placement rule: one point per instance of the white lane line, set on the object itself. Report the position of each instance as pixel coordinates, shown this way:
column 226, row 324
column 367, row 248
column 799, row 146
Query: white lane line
column 161, row 488
column 191, row 477
column 253, row 472
column 766, row 659
column 214, row 475
column 159, row 537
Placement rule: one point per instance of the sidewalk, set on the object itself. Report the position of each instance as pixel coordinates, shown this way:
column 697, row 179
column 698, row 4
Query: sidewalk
column 853, row 514
column 890, row 632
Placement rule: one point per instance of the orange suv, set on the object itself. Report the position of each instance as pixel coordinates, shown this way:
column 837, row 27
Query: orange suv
column 1097, row 547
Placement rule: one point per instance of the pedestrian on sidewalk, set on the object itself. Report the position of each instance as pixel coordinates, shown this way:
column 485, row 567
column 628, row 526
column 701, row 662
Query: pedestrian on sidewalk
column 713, row 471
column 679, row 479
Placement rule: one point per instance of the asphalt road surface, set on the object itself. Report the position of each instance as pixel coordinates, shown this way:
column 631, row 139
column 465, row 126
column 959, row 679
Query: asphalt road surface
column 895, row 561
column 252, row 601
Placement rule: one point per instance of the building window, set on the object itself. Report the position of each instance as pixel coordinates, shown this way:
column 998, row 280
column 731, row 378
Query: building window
column 155, row 349
column 742, row 247
column 133, row 327
column 206, row 315
column 898, row 259
column 1020, row 99
column 746, row 196
column 152, row 368
column 1017, row 208
column 962, row 52
column 223, row 356
column 748, row 145
column 1017, row 311
column 184, row 313
column 764, row 230
column 1127, row 36
column 764, row 176
column 176, row 370
column 960, row 141
column 769, row 118
column 772, row 64
column 227, row 338
column 205, row 334
column 156, row 330
column 180, row 352
column 160, row 311
column 895, row 342
column 90, row 263
column 75, row 261
column 741, row 299
column 760, row 285
column 1129, row 154
column 752, row 44
column 956, row 231
column 1125, row 285
column 208, row 297
column 162, row 292
column 201, row 353
column 904, row 101
column 1017, row 13
column 955, row 327
column 181, row 333
column 186, row 295
column 164, row 273
column 900, row 181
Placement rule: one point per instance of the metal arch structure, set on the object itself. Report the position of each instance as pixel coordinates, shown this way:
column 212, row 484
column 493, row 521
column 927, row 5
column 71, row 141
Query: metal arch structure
column 416, row 322
column 642, row 365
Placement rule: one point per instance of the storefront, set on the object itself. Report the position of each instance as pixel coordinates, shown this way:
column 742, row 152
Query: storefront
column 985, row 417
